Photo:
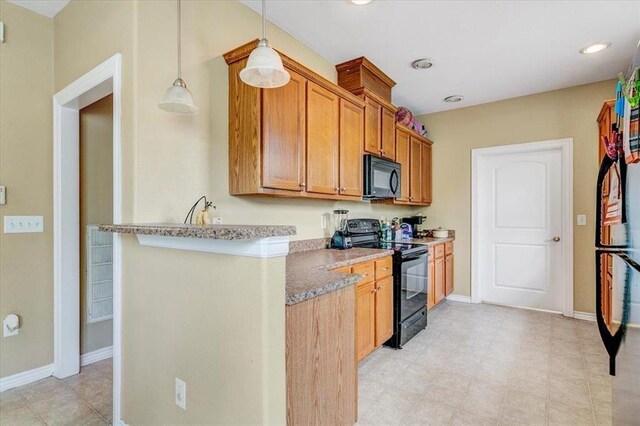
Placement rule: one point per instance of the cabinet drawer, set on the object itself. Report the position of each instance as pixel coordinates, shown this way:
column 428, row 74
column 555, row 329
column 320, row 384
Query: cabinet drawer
column 364, row 269
column 439, row 251
column 448, row 247
column 383, row 267
column 344, row 270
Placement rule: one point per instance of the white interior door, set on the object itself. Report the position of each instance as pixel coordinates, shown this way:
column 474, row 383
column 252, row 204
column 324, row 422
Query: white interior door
column 520, row 229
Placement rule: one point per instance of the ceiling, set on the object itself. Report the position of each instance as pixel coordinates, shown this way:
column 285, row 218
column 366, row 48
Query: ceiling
column 483, row 50
column 48, row 8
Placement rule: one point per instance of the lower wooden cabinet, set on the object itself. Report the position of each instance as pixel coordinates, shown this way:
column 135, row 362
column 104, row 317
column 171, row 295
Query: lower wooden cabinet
column 440, row 273
column 322, row 377
column 374, row 304
column 365, row 319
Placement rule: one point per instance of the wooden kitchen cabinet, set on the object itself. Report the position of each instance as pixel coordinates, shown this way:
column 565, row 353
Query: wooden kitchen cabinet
column 365, row 318
column 448, row 274
column 425, row 172
column 374, row 304
column 321, row 375
column 415, row 169
column 441, row 281
column 372, row 119
column 323, row 132
column 383, row 310
column 388, row 134
column 283, row 135
column 302, row 140
column 402, row 157
column 414, row 154
column 351, row 137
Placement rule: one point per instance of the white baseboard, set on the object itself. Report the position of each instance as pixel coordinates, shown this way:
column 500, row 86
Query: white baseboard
column 458, row 298
column 95, row 356
column 25, row 377
column 586, row 316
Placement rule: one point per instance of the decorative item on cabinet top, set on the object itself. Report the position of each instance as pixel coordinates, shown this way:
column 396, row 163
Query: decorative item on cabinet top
column 301, row 140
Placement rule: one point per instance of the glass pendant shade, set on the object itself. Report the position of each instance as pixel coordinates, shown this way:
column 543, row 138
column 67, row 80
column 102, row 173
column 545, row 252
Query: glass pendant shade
column 264, row 68
column 178, row 99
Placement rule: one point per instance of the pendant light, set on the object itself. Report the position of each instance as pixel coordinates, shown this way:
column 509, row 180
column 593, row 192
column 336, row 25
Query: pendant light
column 264, row 67
column 178, row 98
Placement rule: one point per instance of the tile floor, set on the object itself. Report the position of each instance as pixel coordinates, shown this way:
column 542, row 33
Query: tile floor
column 489, row 365
column 83, row 399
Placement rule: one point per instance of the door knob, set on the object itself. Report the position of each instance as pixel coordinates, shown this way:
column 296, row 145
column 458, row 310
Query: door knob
column 554, row 239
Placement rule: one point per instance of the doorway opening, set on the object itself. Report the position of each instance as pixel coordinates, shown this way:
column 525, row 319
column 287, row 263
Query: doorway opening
column 522, row 228
column 77, row 249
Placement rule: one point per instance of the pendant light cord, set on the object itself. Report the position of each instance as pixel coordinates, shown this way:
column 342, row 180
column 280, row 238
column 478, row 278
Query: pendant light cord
column 179, row 43
column 264, row 19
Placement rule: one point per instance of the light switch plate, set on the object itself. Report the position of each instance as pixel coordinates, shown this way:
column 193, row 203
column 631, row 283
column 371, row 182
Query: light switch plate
column 582, row 219
column 3, row 194
column 181, row 394
column 23, row 224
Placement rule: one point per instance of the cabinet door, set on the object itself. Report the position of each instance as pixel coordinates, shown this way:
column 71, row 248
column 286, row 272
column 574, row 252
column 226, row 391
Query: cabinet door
column 431, row 297
column 323, row 131
column 438, row 283
column 415, row 161
column 372, row 115
column 365, row 318
column 283, row 135
column 388, row 134
column 351, row 141
column 402, row 157
column 425, row 180
column 384, row 310
column 448, row 274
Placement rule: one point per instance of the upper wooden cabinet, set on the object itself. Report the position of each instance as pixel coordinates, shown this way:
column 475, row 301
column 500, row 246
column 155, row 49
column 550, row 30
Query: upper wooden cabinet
column 388, row 134
column 283, row 135
column 304, row 139
column 351, row 137
column 413, row 152
column 372, row 121
column 379, row 127
column 402, row 157
column 323, row 132
column 359, row 74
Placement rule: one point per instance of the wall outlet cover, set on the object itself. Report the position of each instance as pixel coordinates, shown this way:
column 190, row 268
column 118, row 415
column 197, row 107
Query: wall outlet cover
column 181, row 394
column 582, row 219
column 3, row 194
column 6, row 329
column 23, row 224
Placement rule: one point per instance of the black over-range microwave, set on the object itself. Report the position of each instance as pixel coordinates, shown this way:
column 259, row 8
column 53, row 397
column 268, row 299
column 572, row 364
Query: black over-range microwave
column 381, row 178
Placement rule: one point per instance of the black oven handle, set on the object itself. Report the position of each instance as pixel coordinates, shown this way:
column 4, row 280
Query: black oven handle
column 418, row 257
column 394, row 177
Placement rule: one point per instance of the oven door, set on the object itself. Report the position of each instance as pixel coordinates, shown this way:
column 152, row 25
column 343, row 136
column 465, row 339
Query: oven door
column 413, row 285
column 381, row 178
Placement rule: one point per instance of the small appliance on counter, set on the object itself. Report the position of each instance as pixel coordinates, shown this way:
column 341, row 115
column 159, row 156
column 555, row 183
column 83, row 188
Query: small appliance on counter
column 414, row 221
column 340, row 239
column 440, row 233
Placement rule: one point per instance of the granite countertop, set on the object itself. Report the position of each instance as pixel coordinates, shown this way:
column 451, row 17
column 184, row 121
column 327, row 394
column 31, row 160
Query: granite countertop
column 309, row 272
column 217, row 232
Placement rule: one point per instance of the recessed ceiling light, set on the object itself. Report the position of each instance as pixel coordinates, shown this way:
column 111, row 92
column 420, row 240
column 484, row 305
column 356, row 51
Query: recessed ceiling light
column 361, row 2
column 422, row 64
column 595, row 47
column 453, row 98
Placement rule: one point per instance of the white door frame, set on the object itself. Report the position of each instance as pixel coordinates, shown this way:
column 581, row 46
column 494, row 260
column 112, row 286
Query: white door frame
column 565, row 146
column 101, row 81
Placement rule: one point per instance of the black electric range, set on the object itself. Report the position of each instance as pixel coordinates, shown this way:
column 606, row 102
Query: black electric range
column 410, row 276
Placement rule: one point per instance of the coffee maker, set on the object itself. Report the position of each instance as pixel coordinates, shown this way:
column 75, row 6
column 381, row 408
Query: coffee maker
column 414, row 221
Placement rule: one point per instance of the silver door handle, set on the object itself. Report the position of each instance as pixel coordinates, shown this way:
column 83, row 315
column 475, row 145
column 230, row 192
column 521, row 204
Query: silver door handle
column 554, row 239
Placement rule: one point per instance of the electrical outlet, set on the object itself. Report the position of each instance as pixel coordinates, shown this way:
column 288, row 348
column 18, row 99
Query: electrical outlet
column 582, row 219
column 323, row 221
column 23, row 224
column 3, row 194
column 217, row 220
column 181, row 394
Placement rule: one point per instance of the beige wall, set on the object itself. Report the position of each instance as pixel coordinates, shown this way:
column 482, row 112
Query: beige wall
column 214, row 321
column 26, row 168
column 567, row 113
column 96, row 204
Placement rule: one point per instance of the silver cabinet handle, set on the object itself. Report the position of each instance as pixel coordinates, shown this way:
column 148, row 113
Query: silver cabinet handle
column 302, row 185
column 554, row 239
